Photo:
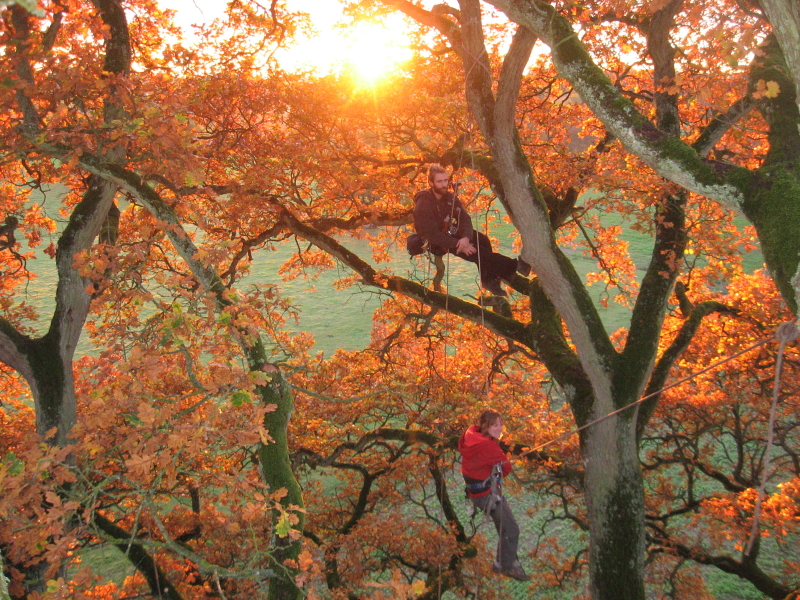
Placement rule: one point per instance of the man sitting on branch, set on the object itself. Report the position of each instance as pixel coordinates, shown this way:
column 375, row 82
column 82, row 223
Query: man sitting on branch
column 443, row 224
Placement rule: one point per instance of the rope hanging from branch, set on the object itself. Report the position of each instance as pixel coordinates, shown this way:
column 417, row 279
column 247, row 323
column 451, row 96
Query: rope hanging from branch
column 787, row 332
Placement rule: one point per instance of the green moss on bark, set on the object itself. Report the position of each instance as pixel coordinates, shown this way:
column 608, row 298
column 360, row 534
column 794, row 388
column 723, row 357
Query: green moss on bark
column 276, row 471
column 774, row 209
column 773, row 198
column 616, row 568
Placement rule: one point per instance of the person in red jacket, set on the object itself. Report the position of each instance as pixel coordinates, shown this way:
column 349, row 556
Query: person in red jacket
column 480, row 451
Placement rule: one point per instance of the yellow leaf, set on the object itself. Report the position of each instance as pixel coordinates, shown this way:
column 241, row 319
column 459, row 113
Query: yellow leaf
column 773, row 89
column 766, row 89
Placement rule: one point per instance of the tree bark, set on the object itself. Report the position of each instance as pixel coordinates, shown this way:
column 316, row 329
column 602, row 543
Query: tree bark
column 274, row 457
column 613, row 480
column 784, row 16
column 46, row 362
column 768, row 196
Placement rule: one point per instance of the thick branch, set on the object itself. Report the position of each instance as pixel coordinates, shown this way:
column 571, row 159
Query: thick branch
column 745, row 569
column 12, row 343
column 509, row 328
column 528, row 211
column 157, row 580
column 647, row 319
column 721, row 123
column 514, row 63
column 641, row 347
column 662, row 52
column 665, row 154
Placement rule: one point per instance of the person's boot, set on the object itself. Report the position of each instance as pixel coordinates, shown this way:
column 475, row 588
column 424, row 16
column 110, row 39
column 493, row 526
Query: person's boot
column 493, row 287
column 515, row 571
column 523, row 268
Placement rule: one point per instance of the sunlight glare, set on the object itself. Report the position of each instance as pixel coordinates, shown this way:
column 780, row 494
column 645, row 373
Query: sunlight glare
column 367, row 50
column 372, row 51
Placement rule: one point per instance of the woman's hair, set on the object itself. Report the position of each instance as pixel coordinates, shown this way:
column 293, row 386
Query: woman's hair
column 486, row 419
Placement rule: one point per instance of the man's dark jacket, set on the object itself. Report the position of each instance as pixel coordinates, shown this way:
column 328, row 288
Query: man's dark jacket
column 432, row 219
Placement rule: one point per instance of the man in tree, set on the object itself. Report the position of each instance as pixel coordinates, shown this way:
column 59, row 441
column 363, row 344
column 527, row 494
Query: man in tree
column 442, row 222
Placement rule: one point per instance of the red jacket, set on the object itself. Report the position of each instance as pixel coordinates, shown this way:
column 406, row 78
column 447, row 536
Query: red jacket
column 479, row 454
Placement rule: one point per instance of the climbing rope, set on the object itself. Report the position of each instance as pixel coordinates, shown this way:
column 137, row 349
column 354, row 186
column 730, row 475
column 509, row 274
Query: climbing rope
column 485, row 349
column 446, row 390
column 787, row 332
column 496, row 477
column 711, row 367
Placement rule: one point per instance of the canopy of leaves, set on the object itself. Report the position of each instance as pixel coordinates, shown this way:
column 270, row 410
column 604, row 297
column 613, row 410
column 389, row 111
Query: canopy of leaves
column 162, row 462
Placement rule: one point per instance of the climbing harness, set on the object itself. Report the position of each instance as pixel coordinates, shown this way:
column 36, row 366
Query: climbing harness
column 496, row 485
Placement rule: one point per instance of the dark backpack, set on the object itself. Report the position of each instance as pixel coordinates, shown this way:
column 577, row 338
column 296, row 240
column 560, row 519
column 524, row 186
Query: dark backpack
column 415, row 244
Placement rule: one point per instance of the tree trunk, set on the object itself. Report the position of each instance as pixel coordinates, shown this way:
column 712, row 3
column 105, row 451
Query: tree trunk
column 276, row 470
column 773, row 196
column 46, row 362
column 615, row 502
column 767, row 196
column 274, row 457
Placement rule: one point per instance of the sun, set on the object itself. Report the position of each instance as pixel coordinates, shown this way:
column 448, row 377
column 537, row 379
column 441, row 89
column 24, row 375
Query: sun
column 367, row 50
column 371, row 51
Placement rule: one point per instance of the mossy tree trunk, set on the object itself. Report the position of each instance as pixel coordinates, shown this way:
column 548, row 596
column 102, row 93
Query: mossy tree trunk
column 772, row 194
column 767, row 196
column 46, row 362
column 274, row 457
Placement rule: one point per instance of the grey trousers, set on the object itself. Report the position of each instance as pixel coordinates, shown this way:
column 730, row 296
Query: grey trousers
column 507, row 529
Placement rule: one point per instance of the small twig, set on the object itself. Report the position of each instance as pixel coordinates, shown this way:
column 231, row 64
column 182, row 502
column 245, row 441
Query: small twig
column 219, row 587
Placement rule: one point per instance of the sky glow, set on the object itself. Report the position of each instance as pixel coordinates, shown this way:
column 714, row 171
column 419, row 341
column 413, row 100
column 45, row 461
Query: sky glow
column 367, row 50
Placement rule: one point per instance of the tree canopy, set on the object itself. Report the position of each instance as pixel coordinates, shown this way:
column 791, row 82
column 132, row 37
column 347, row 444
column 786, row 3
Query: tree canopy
column 223, row 457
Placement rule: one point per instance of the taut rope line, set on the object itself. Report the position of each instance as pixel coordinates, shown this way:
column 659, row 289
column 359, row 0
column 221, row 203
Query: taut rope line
column 632, row 404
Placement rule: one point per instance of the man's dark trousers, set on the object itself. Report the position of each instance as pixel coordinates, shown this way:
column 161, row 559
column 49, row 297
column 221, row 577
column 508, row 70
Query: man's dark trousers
column 493, row 266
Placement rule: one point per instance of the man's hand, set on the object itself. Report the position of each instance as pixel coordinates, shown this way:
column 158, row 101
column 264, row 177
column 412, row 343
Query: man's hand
column 464, row 246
